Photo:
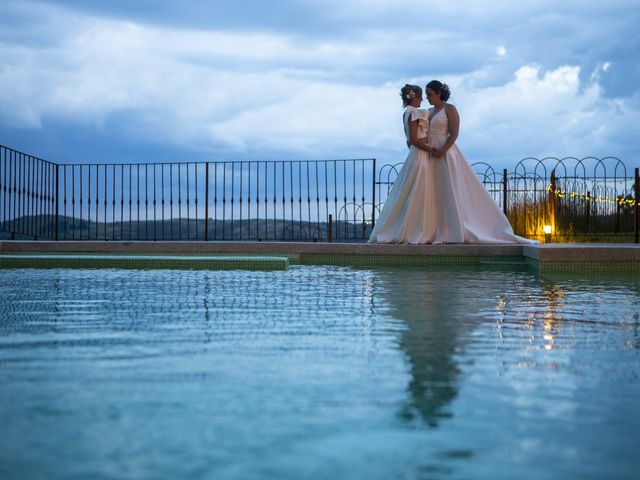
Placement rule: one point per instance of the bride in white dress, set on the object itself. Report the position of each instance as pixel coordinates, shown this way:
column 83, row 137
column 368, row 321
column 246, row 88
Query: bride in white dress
column 437, row 197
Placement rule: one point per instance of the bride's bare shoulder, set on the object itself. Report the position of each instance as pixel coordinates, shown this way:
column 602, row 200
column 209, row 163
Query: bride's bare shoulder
column 451, row 111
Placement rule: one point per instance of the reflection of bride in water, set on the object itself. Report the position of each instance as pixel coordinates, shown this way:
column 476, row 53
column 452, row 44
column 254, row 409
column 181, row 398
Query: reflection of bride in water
column 440, row 310
column 429, row 305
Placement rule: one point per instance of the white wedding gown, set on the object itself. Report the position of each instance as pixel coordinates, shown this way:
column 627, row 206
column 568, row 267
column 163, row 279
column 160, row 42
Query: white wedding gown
column 439, row 200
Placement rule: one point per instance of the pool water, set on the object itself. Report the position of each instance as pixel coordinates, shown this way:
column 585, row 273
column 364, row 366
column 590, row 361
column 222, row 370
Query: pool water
column 318, row 373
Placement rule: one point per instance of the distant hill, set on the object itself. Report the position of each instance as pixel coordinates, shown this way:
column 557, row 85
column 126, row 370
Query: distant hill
column 43, row 227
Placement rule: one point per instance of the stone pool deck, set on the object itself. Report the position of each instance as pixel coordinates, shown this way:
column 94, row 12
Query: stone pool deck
column 621, row 258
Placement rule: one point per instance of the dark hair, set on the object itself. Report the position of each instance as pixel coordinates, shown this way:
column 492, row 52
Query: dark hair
column 440, row 88
column 407, row 91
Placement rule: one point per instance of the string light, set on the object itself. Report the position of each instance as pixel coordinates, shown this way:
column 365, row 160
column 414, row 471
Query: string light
column 564, row 194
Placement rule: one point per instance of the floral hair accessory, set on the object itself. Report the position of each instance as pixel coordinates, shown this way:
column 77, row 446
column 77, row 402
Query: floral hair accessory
column 445, row 87
column 410, row 95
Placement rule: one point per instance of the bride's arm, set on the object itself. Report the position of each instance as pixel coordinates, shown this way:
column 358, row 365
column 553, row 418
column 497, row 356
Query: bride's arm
column 454, row 128
column 421, row 143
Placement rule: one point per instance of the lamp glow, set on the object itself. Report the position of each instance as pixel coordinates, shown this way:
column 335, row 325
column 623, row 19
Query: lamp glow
column 547, row 229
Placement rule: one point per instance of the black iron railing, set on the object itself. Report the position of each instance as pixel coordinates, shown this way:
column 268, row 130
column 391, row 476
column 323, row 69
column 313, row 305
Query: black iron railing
column 27, row 194
column 317, row 200
column 234, row 200
column 575, row 198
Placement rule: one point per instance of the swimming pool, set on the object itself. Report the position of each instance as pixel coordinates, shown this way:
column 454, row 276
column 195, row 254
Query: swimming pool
column 318, row 372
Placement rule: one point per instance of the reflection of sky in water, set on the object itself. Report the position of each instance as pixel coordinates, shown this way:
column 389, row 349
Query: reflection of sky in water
column 317, row 372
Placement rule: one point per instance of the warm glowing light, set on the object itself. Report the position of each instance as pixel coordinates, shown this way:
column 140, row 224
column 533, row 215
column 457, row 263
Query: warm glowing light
column 547, row 229
column 619, row 200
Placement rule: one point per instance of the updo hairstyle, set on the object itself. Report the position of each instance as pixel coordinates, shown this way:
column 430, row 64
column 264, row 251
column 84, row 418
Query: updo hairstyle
column 440, row 88
column 409, row 92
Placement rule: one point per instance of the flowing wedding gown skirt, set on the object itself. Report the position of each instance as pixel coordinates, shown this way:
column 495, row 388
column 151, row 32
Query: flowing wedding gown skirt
column 474, row 215
column 441, row 200
column 404, row 218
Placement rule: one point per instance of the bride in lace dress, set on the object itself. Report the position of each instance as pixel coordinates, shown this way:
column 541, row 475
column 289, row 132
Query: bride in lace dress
column 437, row 197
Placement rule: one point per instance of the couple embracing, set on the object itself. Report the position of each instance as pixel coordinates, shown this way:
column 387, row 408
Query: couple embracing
column 437, row 197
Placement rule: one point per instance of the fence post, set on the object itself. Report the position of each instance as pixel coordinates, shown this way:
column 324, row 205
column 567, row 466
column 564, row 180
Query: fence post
column 330, row 229
column 552, row 202
column 206, row 202
column 619, row 199
column 504, row 191
column 588, row 209
column 637, row 206
column 57, row 196
column 373, row 185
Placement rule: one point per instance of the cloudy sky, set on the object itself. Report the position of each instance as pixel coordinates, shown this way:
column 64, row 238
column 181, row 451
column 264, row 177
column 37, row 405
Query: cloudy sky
column 161, row 80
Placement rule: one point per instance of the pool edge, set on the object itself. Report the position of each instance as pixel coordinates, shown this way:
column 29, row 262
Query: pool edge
column 556, row 258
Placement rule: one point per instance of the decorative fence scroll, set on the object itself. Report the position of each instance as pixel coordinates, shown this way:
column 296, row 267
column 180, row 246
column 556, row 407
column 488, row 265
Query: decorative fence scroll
column 587, row 197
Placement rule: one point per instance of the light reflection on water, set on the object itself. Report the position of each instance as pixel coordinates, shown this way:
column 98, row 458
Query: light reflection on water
column 317, row 372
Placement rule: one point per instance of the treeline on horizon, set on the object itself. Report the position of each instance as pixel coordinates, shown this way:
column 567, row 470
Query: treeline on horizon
column 43, row 227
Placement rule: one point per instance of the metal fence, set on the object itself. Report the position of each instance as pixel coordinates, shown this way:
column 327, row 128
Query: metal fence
column 235, row 200
column 28, row 194
column 317, row 200
column 577, row 199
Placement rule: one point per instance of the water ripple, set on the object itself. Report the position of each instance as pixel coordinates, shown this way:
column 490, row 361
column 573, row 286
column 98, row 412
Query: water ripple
column 317, row 372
